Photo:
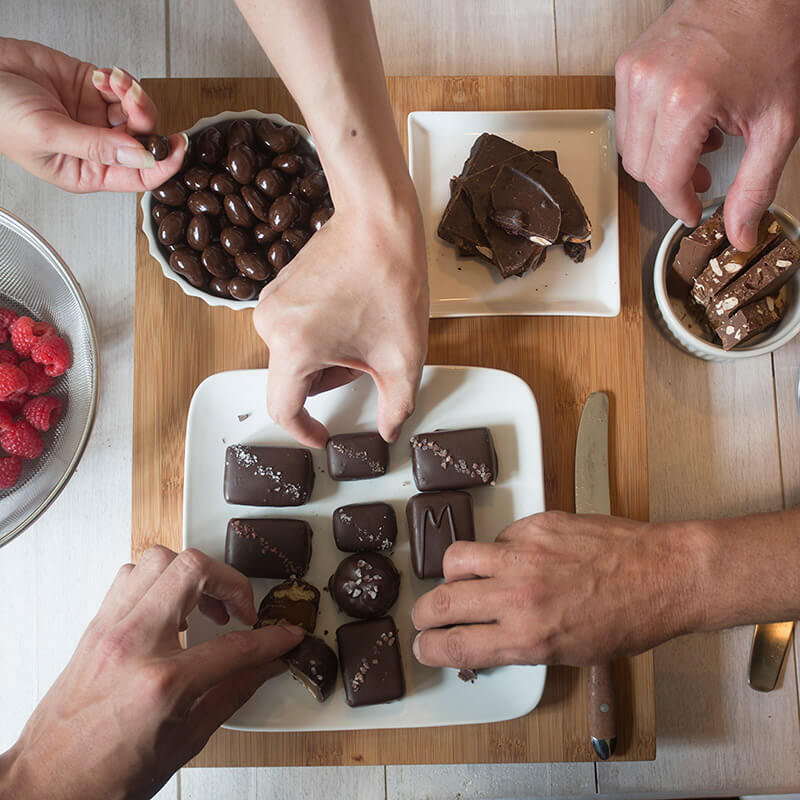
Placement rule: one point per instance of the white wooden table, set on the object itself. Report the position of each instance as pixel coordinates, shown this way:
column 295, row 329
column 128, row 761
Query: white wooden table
column 722, row 439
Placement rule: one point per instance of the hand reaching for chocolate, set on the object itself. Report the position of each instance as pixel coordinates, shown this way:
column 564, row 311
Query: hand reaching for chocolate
column 705, row 67
column 74, row 126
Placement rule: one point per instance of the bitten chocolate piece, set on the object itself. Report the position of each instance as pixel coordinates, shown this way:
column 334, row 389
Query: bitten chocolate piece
column 355, row 456
column 268, row 476
column 696, row 250
column 724, row 268
column 369, row 653
column 362, row 527
column 314, row 664
column 749, row 321
column 293, row 602
column 365, row 585
column 453, row 459
column 521, row 206
column 269, row 548
column 435, row 521
column 765, row 277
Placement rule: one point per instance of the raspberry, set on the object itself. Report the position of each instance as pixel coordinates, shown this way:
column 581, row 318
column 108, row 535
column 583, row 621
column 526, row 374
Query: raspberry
column 15, row 405
column 39, row 383
column 13, row 381
column 53, row 353
column 22, row 440
column 10, row 468
column 7, row 319
column 6, row 419
column 25, row 333
column 9, row 357
column 41, row 412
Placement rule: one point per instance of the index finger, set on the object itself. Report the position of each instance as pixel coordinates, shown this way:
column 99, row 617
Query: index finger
column 287, row 392
column 464, row 559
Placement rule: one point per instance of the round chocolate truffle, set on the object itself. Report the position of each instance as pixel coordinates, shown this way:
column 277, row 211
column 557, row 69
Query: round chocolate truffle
column 365, row 585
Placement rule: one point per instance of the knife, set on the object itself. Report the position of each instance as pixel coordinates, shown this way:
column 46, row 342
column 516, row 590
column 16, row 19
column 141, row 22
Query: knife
column 593, row 496
column 770, row 643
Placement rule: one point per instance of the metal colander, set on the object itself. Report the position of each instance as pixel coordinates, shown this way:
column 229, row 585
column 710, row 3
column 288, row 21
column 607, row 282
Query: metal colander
column 35, row 281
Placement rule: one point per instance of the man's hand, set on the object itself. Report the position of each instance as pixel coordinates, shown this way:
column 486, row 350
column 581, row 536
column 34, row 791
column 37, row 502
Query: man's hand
column 73, row 125
column 706, row 66
column 557, row 588
column 355, row 299
column 132, row 706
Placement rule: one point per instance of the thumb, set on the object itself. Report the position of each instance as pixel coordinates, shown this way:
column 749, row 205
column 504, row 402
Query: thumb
column 109, row 146
column 768, row 148
column 396, row 398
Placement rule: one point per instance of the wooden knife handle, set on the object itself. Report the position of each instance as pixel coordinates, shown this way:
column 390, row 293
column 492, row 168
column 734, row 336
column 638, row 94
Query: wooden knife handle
column 602, row 705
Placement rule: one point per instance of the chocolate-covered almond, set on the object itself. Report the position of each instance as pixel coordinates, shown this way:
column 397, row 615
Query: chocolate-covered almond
column 290, row 163
column 210, row 146
column 279, row 139
column 156, row 144
column 187, row 264
column 253, row 265
column 294, row 186
column 197, row 177
column 160, row 211
column 171, row 193
column 241, row 288
column 222, row 183
column 312, row 164
column 278, row 255
column 256, row 201
column 263, row 234
column 234, row 240
column 219, row 287
column 319, row 217
column 295, row 238
column 241, row 163
column 284, row 212
column 271, row 182
column 204, row 202
column 199, row 232
column 314, row 186
column 172, row 228
column 303, row 213
column 241, row 131
column 218, row 262
column 236, row 211
column 189, row 157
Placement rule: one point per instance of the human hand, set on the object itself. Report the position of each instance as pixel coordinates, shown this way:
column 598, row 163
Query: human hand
column 132, row 706
column 558, row 588
column 72, row 125
column 354, row 300
column 708, row 66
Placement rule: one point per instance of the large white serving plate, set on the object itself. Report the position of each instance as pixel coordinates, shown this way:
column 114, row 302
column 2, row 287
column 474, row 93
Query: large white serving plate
column 439, row 143
column 450, row 397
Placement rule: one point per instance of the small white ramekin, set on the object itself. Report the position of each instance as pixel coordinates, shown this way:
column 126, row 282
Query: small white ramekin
column 150, row 229
column 677, row 322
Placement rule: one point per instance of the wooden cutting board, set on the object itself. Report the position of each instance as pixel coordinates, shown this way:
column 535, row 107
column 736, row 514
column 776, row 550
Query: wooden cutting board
column 180, row 341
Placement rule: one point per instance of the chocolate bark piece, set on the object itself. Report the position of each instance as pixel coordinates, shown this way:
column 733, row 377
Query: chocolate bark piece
column 354, row 456
column 268, row 476
column 724, row 268
column 365, row 585
column 456, row 459
column 293, row 602
column 269, row 548
column 468, row 675
column 521, row 206
column 362, row 527
column 749, row 321
column 763, row 278
column 695, row 251
column 369, row 654
column 577, row 250
column 435, row 521
column 315, row 665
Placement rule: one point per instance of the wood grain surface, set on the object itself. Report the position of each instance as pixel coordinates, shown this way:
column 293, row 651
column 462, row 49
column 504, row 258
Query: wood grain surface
column 180, row 341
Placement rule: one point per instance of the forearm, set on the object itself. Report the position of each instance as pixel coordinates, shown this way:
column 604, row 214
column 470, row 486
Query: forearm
column 327, row 55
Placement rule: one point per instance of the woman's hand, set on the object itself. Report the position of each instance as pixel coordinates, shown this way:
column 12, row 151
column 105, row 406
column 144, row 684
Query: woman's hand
column 73, row 125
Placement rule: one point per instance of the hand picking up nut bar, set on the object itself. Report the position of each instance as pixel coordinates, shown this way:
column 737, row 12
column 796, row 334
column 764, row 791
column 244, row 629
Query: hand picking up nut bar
column 509, row 205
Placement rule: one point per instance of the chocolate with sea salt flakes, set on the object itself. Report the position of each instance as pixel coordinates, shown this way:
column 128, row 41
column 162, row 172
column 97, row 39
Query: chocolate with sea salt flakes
column 457, row 459
column 355, row 456
column 365, row 585
column 268, row 476
column 269, row 548
column 314, row 664
column 362, row 527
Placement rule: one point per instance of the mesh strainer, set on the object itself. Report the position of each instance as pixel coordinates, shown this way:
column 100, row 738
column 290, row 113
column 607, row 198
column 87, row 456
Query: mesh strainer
column 35, row 281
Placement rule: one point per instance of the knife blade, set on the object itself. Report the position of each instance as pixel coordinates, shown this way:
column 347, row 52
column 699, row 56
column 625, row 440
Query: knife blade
column 767, row 654
column 593, row 496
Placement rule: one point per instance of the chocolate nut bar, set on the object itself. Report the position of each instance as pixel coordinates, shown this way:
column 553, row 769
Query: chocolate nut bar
column 696, row 250
column 749, row 321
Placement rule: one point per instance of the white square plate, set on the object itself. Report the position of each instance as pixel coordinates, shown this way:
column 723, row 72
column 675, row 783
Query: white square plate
column 450, row 397
column 438, row 145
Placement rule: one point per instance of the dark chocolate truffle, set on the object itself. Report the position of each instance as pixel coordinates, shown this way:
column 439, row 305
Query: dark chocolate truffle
column 314, row 664
column 365, row 585
column 352, row 456
column 453, row 459
column 361, row 527
column 293, row 602
column 269, row 548
column 268, row 476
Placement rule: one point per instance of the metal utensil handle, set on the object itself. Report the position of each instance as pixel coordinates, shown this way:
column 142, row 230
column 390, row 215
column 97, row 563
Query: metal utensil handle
column 602, row 710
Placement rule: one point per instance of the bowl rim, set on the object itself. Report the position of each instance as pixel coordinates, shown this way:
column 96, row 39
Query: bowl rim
column 146, row 200
column 58, row 263
column 685, row 337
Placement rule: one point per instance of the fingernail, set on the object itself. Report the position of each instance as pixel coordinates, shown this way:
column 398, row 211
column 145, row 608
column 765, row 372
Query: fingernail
column 117, row 75
column 136, row 157
column 98, row 77
column 415, row 646
column 136, row 92
column 185, row 141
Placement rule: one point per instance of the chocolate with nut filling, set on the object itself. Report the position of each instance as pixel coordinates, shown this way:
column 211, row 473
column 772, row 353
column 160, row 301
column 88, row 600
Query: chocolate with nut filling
column 314, row 664
column 521, row 206
column 362, row 527
column 369, row 654
column 268, row 476
column 365, row 585
column 749, row 321
column 695, row 251
column 353, row 456
column 269, row 548
column 293, row 602
column 453, row 459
